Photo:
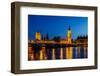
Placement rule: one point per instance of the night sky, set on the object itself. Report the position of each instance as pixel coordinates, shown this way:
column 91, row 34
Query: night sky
column 57, row 26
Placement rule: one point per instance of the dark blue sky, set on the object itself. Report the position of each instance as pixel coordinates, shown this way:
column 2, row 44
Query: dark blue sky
column 57, row 26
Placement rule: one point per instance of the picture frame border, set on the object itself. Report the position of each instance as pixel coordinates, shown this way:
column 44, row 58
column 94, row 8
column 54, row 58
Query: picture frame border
column 15, row 37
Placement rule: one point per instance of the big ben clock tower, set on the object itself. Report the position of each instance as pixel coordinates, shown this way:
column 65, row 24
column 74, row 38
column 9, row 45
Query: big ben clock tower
column 69, row 39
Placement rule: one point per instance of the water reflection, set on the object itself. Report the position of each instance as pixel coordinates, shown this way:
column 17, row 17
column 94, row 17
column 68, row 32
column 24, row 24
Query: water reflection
column 58, row 53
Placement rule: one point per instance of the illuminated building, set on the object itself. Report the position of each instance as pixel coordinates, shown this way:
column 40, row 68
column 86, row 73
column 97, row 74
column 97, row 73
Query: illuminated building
column 82, row 40
column 38, row 36
column 69, row 39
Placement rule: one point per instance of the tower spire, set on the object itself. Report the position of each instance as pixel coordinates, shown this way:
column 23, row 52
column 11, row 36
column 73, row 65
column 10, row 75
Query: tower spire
column 69, row 28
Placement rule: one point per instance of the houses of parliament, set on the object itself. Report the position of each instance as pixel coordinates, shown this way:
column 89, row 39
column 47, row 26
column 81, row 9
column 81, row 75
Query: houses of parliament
column 38, row 38
column 43, row 48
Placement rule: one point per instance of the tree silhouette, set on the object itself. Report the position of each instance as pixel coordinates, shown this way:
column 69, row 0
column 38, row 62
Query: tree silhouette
column 57, row 38
column 47, row 36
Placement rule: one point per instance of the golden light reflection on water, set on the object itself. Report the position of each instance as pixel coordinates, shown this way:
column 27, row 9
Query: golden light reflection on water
column 68, row 53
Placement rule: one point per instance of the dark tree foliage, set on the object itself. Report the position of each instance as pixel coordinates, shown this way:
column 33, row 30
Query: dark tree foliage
column 47, row 36
column 57, row 38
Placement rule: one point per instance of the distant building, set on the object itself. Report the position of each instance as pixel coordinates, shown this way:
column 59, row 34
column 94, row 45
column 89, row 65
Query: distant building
column 44, row 39
column 38, row 36
column 63, row 41
column 69, row 39
column 82, row 40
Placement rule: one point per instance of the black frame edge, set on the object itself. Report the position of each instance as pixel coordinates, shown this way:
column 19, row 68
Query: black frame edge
column 13, row 37
column 96, row 37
